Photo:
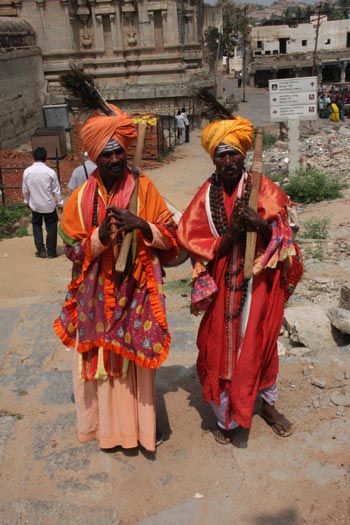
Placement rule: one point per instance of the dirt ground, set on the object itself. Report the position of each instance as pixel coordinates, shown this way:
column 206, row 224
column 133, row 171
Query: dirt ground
column 261, row 479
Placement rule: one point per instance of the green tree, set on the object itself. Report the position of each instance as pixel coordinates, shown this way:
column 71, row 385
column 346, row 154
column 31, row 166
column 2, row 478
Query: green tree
column 212, row 39
column 234, row 25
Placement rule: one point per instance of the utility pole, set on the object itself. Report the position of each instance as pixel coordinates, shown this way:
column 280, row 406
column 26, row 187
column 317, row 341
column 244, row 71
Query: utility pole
column 244, row 53
column 217, row 58
column 316, row 39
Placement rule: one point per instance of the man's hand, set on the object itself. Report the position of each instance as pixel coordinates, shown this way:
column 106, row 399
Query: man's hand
column 256, row 221
column 235, row 219
column 128, row 222
column 107, row 228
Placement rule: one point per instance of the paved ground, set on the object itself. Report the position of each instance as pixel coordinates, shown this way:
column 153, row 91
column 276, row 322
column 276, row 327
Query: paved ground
column 48, row 478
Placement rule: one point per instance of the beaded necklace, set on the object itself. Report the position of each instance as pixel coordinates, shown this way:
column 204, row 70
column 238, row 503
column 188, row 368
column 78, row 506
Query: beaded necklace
column 217, row 208
column 119, row 237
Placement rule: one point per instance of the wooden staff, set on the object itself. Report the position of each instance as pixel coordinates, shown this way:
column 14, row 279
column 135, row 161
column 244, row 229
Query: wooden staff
column 122, row 258
column 253, row 203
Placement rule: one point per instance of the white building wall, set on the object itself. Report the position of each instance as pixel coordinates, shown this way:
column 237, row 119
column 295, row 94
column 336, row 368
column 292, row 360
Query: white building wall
column 334, row 32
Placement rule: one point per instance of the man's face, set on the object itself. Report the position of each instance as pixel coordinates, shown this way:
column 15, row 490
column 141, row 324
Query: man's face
column 229, row 165
column 112, row 163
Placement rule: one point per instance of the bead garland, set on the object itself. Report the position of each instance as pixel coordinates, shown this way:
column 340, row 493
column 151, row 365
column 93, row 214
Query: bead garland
column 95, row 208
column 218, row 212
column 119, row 236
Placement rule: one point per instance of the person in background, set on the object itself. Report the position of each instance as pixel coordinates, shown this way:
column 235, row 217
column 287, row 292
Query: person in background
column 187, row 124
column 115, row 317
column 237, row 337
column 81, row 173
column 42, row 194
column 180, row 126
column 335, row 113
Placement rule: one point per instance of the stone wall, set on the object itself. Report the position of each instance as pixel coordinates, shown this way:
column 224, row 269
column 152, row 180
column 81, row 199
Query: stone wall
column 21, row 83
column 136, row 51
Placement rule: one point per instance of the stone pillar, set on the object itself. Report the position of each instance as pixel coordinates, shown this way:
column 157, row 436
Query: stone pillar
column 166, row 32
column 151, row 33
column 195, row 27
column 117, row 29
column 98, row 29
column 41, row 5
column 343, row 65
column 69, row 30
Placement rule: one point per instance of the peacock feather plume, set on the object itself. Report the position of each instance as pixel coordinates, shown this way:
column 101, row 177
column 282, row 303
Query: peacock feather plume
column 81, row 87
column 211, row 106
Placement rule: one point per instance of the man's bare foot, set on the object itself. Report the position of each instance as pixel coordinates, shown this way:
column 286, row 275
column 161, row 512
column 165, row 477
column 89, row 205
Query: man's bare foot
column 277, row 421
column 222, row 436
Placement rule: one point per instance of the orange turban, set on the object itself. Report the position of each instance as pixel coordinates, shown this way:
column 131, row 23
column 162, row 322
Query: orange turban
column 99, row 129
column 236, row 132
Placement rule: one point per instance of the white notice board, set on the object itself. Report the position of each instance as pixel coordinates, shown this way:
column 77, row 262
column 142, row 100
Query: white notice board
column 293, row 97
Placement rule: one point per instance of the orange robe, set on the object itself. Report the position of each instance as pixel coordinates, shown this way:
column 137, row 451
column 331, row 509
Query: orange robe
column 108, row 318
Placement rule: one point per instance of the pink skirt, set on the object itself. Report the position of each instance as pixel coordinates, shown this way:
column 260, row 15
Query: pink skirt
column 117, row 412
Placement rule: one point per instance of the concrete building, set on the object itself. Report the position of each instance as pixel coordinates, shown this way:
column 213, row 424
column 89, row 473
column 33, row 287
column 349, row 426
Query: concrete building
column 291, row 50
column 145, row 54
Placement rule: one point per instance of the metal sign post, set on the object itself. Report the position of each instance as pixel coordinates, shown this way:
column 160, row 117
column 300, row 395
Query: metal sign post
column 292, row 100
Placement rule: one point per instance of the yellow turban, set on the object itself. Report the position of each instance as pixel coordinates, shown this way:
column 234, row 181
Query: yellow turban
column 236, row 132
column 99, row 129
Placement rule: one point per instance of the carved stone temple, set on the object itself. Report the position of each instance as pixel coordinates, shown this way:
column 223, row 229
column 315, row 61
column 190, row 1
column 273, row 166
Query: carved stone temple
column 145, row 54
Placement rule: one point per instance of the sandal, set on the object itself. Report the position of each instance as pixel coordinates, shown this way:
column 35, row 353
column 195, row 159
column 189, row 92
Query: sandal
column 224, row 437
column 278, row 422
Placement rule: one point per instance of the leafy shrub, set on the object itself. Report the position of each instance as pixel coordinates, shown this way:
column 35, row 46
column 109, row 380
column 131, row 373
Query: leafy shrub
column 314, row 252
column 312, row 185
column 9, row 217
column 22, row 231
column 268, row 139
column 315, row 228
column 180, row 286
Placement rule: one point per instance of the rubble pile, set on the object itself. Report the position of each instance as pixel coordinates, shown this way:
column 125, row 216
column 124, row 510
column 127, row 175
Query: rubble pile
column 327, row 150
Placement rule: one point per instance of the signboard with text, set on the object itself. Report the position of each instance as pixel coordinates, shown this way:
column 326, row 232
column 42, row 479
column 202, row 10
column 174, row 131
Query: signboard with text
column 293, row 97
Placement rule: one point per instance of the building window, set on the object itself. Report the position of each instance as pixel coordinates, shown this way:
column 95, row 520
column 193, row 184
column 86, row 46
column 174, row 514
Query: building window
column 267, row 52
column 259, row 44
column 304, row 42
column 257, row 53
column 348, row 40
column 328, row 41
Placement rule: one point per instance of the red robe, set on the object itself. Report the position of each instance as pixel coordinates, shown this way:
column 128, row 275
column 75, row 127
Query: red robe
column 243, row 365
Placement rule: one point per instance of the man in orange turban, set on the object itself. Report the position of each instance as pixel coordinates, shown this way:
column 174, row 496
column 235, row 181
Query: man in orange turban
column 237, row 337
column 114, row 318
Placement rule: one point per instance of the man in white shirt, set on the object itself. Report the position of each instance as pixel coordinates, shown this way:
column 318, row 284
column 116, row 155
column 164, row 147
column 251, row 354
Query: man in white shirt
column 42, row 193
column 187, row 124
column 180, row 126
column 81, row 173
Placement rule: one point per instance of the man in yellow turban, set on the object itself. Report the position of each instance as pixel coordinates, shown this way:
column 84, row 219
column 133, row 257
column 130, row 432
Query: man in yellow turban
column 237, row 338
column 115, row 320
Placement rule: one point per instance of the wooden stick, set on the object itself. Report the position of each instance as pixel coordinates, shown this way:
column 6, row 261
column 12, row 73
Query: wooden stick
column 141, row 131
column 253, row 203
column 122, row 258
